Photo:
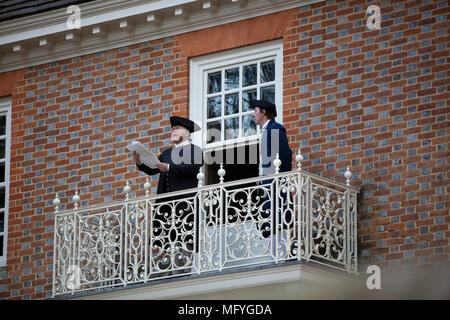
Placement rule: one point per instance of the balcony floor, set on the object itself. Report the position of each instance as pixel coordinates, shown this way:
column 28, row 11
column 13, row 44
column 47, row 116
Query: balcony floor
column 284, row 280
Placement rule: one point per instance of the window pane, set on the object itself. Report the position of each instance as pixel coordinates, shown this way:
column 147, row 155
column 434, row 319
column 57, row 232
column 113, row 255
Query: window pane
column 2, row 221
column 232, row 128
column 2, row 197
column 231, row 103
column 248, row 96
column 268, row 93
column 249, row 75
column 214, row 130
column 2, row 125
column 215, row 82
column 2, row 172
column 267, row 71
column 231, row 79
column 2, row 149
column 1, row 245
column 214, row 107
column 249, row 126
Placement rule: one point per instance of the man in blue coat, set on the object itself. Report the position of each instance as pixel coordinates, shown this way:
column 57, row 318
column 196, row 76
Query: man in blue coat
column 273, row 140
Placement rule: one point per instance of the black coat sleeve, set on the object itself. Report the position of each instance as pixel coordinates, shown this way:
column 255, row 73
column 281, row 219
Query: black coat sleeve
column 148, row 170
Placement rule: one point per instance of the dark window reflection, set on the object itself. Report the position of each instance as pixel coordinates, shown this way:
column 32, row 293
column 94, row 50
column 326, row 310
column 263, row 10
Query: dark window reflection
column 231, row 103
column 249, row 75
column 2, row 125
column 268, row 93
column 231, row 79
column 267, row 71
column 2, row 197
column 248, row 96
column 232, row 128
column 249, row 125
column 2, row 149
column 2, row 172
column 214, row 130
column 214, row 107
column 215, row 82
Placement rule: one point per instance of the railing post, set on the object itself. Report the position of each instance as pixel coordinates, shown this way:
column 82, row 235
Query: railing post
column 200, row 177
column 76, row 199
column 127, row 190
column 56, row 202
column 147, row 246
column 221, row 172
column 198, row 220
column 299, row 159
column 77, row 235
column 348, row 175
column 277, row 163
column 275, row 198
column 300, row 225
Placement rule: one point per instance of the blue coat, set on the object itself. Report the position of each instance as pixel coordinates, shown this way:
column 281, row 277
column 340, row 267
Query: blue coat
column 270, row 148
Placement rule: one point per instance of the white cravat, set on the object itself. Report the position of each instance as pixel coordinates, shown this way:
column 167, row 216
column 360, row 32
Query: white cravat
column 184, row 143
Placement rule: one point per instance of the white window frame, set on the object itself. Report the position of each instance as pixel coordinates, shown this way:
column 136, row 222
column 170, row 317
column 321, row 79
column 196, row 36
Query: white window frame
column 200, row 66
column 5, row 109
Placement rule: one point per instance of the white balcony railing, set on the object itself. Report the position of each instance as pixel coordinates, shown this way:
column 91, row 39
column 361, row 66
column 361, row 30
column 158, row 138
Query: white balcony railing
column 286, row 216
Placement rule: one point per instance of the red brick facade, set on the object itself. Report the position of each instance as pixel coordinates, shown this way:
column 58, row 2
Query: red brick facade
column 374, row 100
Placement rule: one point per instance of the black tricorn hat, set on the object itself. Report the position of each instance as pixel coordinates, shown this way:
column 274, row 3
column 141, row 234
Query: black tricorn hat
column 264, row 104
column 190, row 125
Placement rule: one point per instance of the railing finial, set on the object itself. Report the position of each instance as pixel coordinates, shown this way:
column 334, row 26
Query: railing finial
column 200, row 177
column 299, row 159
column 221, row 173
column 348, row 175
column 147, row 186
column 127, row 190
column 277, row 163
column 56, row 203
column 76, row 199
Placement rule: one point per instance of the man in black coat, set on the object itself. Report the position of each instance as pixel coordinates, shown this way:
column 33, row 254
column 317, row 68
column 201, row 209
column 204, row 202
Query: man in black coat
column 173, row 216
column 180, row 165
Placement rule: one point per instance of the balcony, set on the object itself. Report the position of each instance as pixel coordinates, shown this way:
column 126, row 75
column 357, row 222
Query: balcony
column 289, row 216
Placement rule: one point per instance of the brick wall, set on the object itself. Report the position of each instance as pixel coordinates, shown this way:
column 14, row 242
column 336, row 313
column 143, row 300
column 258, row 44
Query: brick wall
column 377, row 101
column 374, row 100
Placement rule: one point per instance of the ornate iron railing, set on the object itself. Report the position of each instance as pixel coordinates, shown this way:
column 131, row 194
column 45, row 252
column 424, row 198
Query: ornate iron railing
column 286, row 216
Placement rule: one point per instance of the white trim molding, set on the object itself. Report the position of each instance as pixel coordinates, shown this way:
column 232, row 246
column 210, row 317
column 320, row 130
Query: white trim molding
column 145, row 20
column 5, row 110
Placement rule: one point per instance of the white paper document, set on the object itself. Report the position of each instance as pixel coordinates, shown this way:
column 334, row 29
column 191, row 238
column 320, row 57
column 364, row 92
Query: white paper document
column 146, row 156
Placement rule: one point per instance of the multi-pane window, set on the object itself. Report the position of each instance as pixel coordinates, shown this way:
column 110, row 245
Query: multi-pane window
column 229, row 91
column 221, row 88
column 4, row 174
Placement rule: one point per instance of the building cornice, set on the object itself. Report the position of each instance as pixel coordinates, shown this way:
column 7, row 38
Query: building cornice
column 108, row 24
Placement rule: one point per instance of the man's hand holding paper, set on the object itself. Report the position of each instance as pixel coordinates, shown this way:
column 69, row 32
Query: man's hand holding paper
column 145, row 156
